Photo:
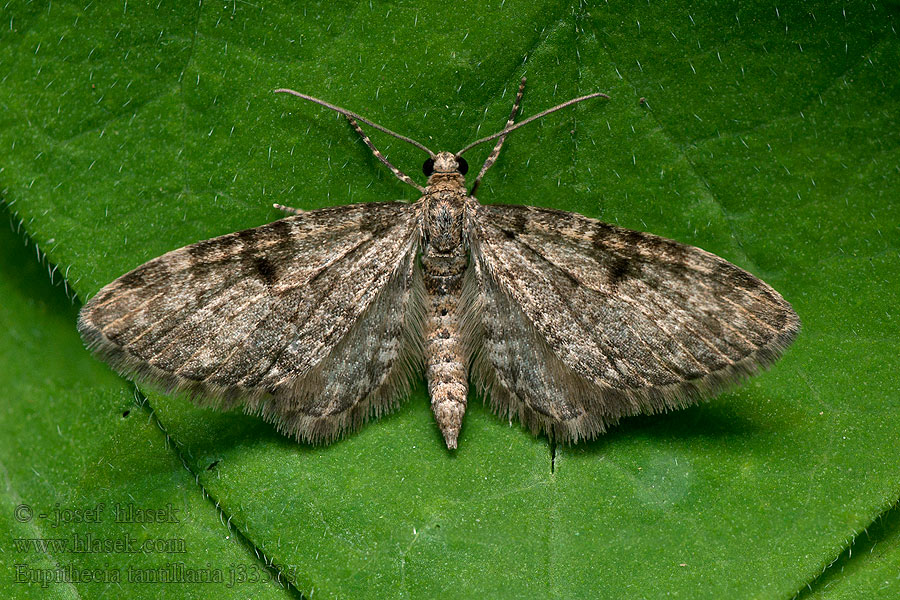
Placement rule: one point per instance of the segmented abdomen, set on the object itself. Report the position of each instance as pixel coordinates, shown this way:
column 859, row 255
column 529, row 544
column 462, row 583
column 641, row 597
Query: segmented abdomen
column 446, row 356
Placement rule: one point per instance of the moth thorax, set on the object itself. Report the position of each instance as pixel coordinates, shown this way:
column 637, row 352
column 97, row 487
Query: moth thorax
column 444, row 222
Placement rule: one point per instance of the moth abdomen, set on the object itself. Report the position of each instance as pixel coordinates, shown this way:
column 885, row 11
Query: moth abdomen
column 446, row 357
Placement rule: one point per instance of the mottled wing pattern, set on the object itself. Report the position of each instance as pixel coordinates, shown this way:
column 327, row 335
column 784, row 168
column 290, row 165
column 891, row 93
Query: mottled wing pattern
column 312, row 321
column 577, row 323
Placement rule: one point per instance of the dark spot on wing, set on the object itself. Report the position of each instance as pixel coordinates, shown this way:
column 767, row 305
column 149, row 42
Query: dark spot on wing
column 202, row 271
column 214, row 249
column 146, row 275
column 636, row 239
column 250, row 237
column 133, row 279
column 519, row 222
column 279, row 229
column 678, row 258
column 676, row 252
column 601, row 234
column 265, row 269
column 621, row 268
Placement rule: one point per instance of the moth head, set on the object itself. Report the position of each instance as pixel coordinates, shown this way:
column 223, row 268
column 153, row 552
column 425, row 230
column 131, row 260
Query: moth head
column 445, row 162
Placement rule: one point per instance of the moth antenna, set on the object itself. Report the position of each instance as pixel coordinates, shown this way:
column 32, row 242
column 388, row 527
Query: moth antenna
column 397, row 172
column 506, row 130
column 353, row 115
column 492, row 157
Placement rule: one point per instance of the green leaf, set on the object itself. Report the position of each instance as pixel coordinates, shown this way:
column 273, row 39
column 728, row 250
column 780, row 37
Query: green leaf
column 868, row 568
column 769, row 136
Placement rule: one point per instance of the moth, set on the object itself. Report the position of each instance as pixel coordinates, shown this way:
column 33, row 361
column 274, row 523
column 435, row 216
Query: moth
column 321, row 321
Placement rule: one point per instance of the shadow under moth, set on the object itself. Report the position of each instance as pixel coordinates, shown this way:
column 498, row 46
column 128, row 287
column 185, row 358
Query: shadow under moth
column 321, row 321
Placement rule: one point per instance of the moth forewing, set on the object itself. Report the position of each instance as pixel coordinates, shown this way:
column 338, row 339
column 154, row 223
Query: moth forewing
column 305, row 321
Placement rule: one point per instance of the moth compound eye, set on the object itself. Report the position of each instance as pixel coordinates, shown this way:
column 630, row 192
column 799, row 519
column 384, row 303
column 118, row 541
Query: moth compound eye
column 462, row 165
column 428, row 167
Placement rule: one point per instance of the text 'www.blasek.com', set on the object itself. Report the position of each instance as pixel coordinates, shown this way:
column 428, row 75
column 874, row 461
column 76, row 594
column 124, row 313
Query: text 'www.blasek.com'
column 88, row 543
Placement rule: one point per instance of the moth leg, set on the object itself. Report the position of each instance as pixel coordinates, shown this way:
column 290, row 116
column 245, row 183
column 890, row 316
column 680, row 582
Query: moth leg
column 492, row 158
column 400, row 174
column 289, row 210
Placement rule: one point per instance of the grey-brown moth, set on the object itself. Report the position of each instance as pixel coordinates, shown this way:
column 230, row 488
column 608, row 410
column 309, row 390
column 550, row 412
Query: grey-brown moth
column 320, row 321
